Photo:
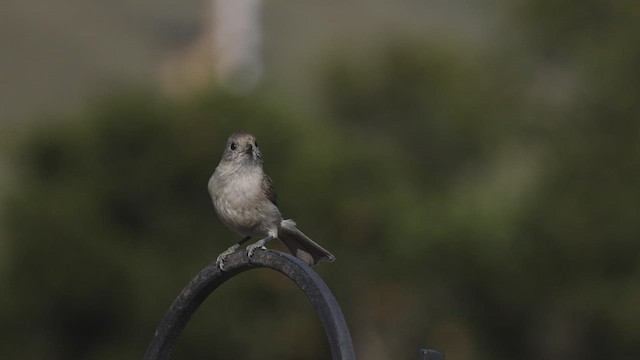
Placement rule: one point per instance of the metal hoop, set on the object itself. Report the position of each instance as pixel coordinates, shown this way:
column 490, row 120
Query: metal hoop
column 211, row 277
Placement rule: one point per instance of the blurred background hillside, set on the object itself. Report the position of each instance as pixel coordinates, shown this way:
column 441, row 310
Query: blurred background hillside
column 474, row 167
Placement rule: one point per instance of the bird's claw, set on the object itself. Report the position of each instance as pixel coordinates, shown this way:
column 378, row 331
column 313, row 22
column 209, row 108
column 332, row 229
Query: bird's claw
column 220, row 261
column 223, row 256
column 257, row 245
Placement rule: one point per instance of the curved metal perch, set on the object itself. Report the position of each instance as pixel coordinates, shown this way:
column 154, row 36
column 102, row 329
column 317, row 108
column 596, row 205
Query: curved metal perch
column 211, row 277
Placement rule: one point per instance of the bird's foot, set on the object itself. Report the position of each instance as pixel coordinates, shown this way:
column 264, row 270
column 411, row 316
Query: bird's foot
column 257, row 245
column 223, row 256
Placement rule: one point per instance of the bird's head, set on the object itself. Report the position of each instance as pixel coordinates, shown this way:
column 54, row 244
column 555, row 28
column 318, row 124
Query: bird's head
column 242, row 148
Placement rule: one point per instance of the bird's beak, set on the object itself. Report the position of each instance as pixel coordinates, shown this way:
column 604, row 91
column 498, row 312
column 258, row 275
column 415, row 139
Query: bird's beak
column 252, row 152
column 249, row 149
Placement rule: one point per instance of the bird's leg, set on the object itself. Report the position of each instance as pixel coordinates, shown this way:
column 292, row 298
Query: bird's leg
column 258, row 244
column 223, row 256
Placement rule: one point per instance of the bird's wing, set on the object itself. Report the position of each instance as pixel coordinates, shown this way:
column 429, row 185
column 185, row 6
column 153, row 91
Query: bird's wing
column 268, row 190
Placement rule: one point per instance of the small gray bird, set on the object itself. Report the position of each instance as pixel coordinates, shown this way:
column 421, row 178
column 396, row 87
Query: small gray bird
column 246, row 202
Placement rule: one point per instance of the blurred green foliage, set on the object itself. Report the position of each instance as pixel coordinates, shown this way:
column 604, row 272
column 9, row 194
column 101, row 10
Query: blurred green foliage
column 482, row 203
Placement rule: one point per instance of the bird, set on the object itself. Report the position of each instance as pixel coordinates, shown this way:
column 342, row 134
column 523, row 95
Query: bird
column 246, row 202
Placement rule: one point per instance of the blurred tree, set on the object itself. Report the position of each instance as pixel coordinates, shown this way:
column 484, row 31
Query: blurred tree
column 519, row 191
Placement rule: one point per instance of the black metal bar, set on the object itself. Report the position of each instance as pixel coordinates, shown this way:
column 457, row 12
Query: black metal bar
column 211, row 277
column 427, row 354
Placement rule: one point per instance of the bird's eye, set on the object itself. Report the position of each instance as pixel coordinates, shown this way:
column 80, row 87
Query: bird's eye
column 234, row 145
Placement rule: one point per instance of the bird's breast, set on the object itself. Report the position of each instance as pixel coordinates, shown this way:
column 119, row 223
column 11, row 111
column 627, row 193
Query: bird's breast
column 239, row 202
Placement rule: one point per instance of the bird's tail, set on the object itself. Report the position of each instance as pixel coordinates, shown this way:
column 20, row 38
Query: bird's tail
column 301, row 246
